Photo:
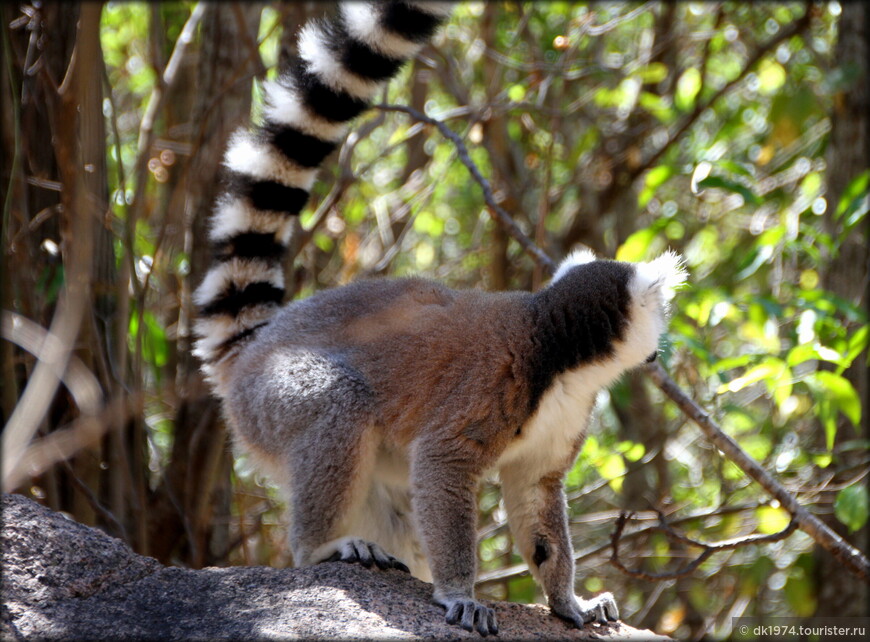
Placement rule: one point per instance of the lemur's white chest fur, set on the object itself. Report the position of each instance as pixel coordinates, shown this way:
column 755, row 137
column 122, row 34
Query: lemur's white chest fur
column 559, row 421
column 562, row 417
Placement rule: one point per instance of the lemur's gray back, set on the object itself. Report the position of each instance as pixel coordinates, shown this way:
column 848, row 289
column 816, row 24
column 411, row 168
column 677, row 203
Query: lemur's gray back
column 269, row 169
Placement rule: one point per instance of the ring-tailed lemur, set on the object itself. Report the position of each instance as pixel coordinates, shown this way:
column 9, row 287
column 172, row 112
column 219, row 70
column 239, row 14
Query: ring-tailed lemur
column 378, row 406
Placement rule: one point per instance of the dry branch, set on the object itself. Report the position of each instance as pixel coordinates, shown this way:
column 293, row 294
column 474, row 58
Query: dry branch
column 847, row 554
column 496, row 211
column 78, row 209
column 707, row 549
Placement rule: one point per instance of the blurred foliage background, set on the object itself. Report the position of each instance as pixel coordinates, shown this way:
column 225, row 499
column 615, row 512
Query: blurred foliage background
column 735, row 133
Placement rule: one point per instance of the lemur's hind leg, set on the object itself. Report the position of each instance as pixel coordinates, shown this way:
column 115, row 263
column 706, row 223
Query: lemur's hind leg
column 326, row 504
column 308, row 417
column 387, row 519
column 330, row 407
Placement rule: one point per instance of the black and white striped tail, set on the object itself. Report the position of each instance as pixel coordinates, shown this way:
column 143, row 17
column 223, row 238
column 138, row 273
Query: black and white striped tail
column 269, row 170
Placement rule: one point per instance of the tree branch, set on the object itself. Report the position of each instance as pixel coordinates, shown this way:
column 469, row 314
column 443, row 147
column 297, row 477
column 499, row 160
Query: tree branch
column 706, row 549
column 495, row 210
column 505, row 574
column 848, row 555
column 798, row 27
column 57, row 349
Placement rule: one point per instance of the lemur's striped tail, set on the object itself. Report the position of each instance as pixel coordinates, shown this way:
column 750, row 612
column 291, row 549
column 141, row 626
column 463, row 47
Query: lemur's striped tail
column 344, row 61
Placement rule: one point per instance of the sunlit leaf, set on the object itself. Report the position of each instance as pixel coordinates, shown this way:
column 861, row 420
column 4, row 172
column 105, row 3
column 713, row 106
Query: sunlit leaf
column 658, row 106
column 688, row 87
column 612, row 468
column 636, row 246
column 771, row 368
column 771, row 520
column 840, row 393
column 427, row 223
column 771, row 76
column 655, row 178
column 805, row 352
column 851, row 506
column 324, row 242
column 654, row 72
column 854, row 200
column 857, row 344
column 632, row 451
column 756, row 446
column 516, row 93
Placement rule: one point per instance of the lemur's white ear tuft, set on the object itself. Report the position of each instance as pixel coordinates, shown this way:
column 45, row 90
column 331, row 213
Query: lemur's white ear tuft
column 577, row 257
column 667, row 272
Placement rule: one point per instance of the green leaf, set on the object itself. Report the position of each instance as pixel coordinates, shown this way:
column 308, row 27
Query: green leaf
column 822, row 461
column 754, row 260
column 851, row 199
column 323, row 242
column 723, row 183
column 632, row 451
column 809, row 351
column 155, row 347
column 771, row 76
column 612, row 468
column 658, row 106
column 653, row 73
column 428, row 223
column 756, row 446
column 771, row 368
column 771, row 520
column 516, row 93
column 636, row 245
column 851, row 507
column 688, row 87
column 800, row 590
column 728, row 363
column 857, row 344
column 841, row 394
column 735, row 168
column 655, row 178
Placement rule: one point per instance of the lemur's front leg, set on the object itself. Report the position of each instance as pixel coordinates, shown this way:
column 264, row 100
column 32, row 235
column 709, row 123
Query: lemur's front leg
column 444, row 489
column 537, row 513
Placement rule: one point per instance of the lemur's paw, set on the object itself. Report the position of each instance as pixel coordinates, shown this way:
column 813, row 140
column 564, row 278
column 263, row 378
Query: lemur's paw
column 359, row 551
column 470, row 614
column 601, row 609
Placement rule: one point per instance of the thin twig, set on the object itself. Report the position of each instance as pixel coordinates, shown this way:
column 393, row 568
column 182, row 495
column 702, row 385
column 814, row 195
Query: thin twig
column 706, row 549
column 505, row 574
column 496, row 211
column 61, row 444
column 95, row 503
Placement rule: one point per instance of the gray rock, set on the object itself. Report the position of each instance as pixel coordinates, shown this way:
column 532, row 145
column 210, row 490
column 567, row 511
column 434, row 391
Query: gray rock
column 63, row 580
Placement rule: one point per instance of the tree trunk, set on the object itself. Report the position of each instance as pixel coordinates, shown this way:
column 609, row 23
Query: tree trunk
column 190, row 507
column 846, row 275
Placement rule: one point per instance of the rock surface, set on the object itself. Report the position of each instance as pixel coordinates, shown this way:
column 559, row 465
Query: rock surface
column 63, row 580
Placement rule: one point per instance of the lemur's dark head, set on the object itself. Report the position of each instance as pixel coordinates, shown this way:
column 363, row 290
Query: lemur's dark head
column 648, row 287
